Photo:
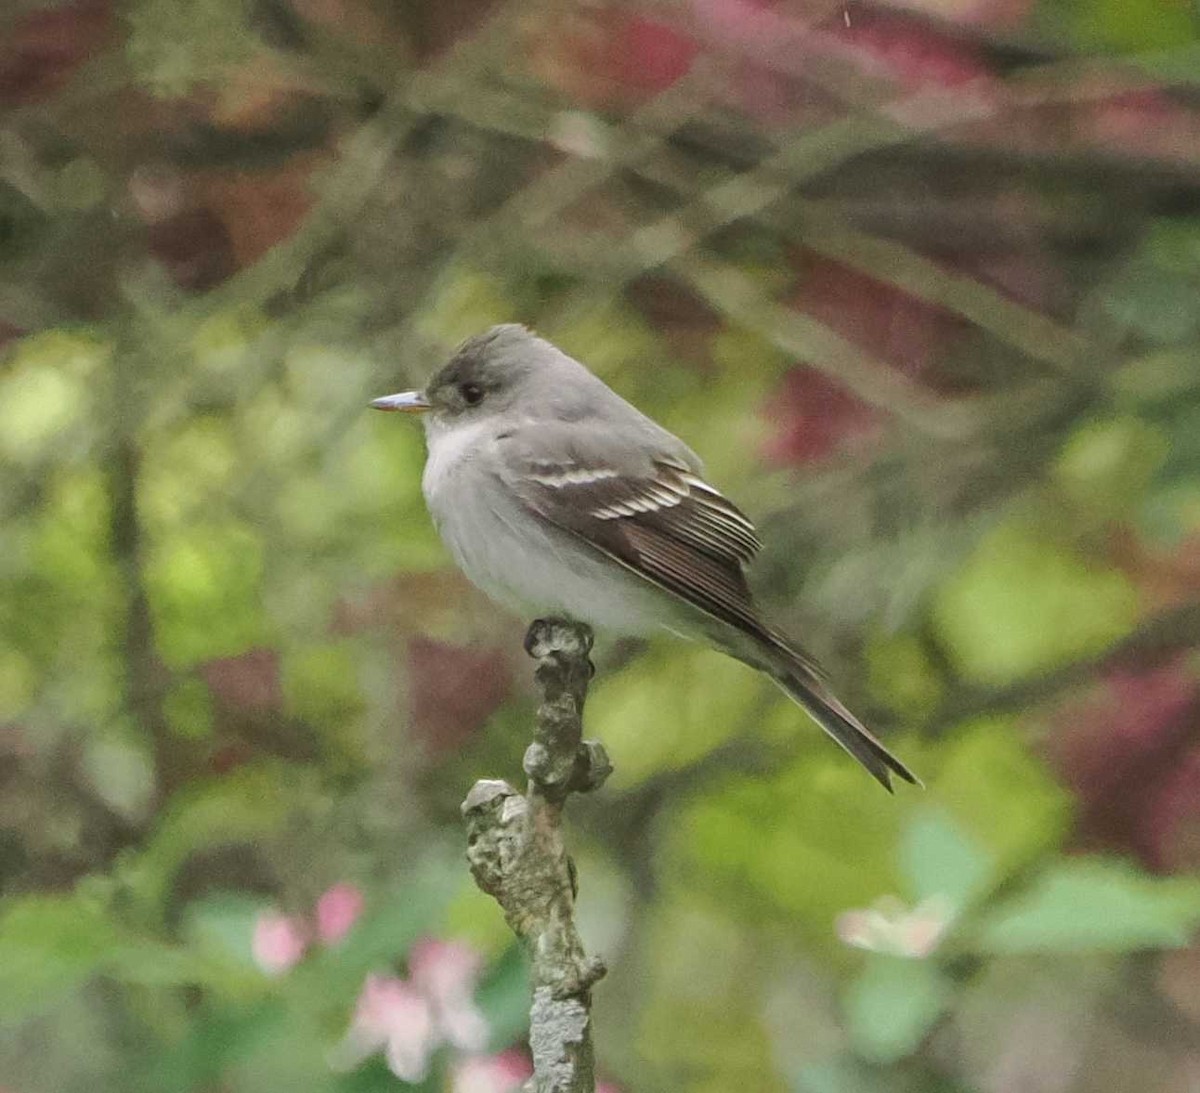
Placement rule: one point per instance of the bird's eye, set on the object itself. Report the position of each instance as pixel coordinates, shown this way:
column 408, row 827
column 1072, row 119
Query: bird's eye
column 472, row 393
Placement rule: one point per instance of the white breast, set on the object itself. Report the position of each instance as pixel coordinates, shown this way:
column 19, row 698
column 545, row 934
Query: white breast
column 520, row 561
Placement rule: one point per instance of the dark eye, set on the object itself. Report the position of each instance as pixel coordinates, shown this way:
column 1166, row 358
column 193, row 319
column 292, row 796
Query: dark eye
column 472, row 393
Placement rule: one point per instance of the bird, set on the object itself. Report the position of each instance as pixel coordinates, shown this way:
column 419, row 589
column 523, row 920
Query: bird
column 560, row 499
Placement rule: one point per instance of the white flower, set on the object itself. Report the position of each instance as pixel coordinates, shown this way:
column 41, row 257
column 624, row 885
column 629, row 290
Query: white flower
column 394, row 1017
column 891, row 927
column 409, row 1019
column 447, row 972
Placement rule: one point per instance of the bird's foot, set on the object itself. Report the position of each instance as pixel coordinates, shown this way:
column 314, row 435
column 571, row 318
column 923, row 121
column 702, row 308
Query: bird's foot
column 564, row 637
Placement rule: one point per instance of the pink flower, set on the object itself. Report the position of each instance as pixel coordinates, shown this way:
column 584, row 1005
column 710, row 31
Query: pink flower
column 337, row 911
column 279, row 942
column 890, row 927
column 503, row 1073
column 446, row 973
column 408, row 1019
column 391, row 1016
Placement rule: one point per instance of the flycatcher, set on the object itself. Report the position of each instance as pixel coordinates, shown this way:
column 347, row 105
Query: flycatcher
column 560, row 499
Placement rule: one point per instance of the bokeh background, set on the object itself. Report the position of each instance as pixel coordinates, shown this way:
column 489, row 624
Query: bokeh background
column 920, row 280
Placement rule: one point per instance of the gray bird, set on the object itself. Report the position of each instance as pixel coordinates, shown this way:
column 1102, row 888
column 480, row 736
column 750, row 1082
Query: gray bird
column 559, row 499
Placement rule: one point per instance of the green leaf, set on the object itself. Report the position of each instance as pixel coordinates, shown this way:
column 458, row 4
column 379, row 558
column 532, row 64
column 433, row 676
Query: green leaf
column 698, row 962
column 44, row 393
column 19, row 682
column 615, row 341
column 224, row 925
column 321, row 683
column 939, row 859
column 1106, row 466
column 672, row 706
column 149, row 963
column 1162, row 377
column 1135, row 25
column 247, row 805
column 849, row 1075
column 1094, row 905
column 189, row 709
column 476, row 919
column 803, row 844
column 373, row 502
column 190, row 466
column 49, row 944
column 1177, row 66
column 503, row 996
column 1024, row 603
column 1170, row 516
column 205, row 588
column 121, row 773
column 465, row 301
column 39, row 407
column 901, row 674
column 841, row 1076
column 174, row 44
column 892, row 1005
column 1153, row 297
column 81, row 184
column 1000, row 794
column 215, row 1038
column 373, row 1076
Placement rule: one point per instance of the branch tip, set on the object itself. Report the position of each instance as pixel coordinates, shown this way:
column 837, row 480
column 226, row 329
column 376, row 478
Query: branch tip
column 517, row 855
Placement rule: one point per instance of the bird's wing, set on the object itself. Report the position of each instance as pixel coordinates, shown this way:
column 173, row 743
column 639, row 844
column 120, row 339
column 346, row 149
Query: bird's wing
column 654, row 514
column 650, row 511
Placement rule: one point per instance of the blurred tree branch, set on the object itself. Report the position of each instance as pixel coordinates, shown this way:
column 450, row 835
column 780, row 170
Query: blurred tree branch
column 363, row 162
column 517, row 856
column 146, row 677
column 1154, row 642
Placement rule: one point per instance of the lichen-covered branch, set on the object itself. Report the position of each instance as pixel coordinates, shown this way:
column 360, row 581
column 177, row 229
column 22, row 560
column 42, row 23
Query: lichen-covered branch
column 517, row 855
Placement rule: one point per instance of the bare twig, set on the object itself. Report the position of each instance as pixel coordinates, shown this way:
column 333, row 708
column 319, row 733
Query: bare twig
column 517, row 855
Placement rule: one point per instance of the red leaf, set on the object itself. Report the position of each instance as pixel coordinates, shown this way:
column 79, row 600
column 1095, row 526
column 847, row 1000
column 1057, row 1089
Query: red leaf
column 1170, row 828
column 1128, row 751
column 453, row 690
column 910, row 53
column 194, row 249
column 605, row 57
column 248, row 683
column 880, row 318
column 814, row 418
column 39, row 52
column 815, row 415
column 262, row 208
column 651, row 55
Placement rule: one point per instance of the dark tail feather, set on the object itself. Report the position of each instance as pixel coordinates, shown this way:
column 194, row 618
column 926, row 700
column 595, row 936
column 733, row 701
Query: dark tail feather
column 800, row 678
column 845, row 728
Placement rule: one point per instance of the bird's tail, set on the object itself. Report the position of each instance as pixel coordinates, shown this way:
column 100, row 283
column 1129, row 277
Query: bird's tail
column 799, row 676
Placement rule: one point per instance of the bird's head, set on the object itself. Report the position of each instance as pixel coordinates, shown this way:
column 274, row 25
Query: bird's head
column 499, row 370
column 505, row 370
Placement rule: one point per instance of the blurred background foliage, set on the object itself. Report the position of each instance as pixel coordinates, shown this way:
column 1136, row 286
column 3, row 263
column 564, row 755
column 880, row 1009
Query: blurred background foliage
column 920, row 279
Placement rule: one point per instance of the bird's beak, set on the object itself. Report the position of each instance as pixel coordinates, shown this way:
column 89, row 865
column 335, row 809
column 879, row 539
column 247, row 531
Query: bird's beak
column 408, row 402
